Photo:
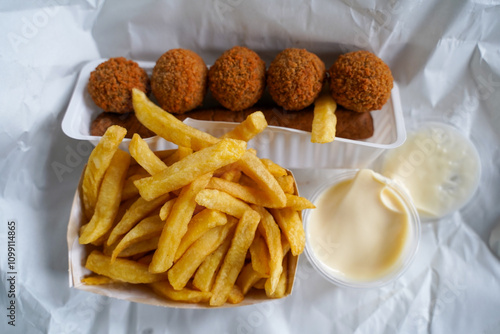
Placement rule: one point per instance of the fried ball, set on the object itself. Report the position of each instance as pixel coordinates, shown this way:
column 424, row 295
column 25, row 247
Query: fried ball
column 360, row 81
column 102, row 122
column 179, row 80
column 237, row 78
column 295, row 78
column 110, row 84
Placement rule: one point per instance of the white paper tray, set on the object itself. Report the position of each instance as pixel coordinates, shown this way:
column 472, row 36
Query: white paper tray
column 288, row 147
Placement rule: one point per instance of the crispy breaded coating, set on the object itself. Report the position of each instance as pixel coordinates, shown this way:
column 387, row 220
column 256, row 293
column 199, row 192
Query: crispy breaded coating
column 237, row 78
column 360, row 81
column 179, row 80
column 295, row 78
column 110, row 84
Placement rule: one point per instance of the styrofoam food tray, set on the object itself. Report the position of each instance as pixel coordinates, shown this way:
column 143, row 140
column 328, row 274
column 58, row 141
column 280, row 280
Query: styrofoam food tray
column 288, row 147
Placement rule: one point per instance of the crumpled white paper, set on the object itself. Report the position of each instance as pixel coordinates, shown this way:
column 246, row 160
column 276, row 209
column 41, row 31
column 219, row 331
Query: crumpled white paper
column 444, row 56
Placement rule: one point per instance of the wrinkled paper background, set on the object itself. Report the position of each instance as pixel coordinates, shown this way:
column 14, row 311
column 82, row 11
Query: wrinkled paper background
column 445, row 55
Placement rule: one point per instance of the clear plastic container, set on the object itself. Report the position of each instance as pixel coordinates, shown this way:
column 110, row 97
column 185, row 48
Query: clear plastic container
column 288, row 147
column 397, row 269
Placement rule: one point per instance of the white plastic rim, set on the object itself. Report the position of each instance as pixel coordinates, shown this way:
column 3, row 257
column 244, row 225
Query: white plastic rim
column 404, row 261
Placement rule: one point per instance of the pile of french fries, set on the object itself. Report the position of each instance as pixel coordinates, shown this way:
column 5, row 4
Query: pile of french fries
column 204, row 223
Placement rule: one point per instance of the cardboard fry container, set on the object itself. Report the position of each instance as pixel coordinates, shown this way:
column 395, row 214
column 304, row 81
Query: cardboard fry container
column 141, row 293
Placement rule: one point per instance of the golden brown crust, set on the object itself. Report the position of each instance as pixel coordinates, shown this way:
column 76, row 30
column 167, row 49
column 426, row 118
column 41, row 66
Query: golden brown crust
column 110, row 84
column 360, row 81
column 237, row 78
column 179, row 80
column 295, row 78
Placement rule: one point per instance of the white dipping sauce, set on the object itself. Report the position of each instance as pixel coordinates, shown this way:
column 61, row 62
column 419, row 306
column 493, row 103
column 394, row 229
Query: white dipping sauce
column 359, row 227
column 438, row 166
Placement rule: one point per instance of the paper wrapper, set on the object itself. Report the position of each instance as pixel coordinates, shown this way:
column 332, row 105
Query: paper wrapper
column 141, row 293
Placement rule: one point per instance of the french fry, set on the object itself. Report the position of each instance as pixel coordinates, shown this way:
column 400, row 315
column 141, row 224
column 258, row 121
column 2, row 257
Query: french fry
column 109, row 199
column 97, row 280
column 271, row 233
column 98, row 162
column 222, row 201
column 275, row 169
column 185, row 295
column 281, row 288
column 140, row 247
column 164, row 154
column 232, row 175
column 178, row 155
column 121, row 269
column 145, row 229
column 260, row 284
column 146, row 259
column 236, row 296
column 286, row 183
column 140, row 151
column 291, row 225
column 259, row 255
column 251, row 165
column 235, row 257
column 180, row 273
column 137, row 211
column 191, row 167
column 298, row 203
column 245, row 193
column 168, row 126
column 199, row 224
column 176, row 225
column 129, row 188
column 205, row 275
column 247, row 278
column 167, row 208
column 254, row 124
column 324, row 120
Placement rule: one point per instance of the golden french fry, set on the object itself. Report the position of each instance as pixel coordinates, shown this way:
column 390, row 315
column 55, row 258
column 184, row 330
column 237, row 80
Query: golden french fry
column 275, row 169
column 245, row 193
column 146, row 259
column 232, row 175
column 129, row 188
column 259, row 255
column 291, row 225
column 164, row 154
column 254, row 124
column 205, row 275
column 140, row 151
column 236, row 296
column 247, row 278
column 121, row 269
column 167, row 208
column 251, row 165
column 137, row 211
column 180, row 273
column 185, row 295
column 271, row 233
column 324, row 120
column 109, row 199
column 145, row 229
column 199, row 224
column 168, row 126
column 176, row 225
column 298, row 203
column 222, row 201
column 235, row 257
column 98, row 162
column 97, row 280
column 178, row 155
column 260, row 284
column 140, row 247
column 280, row 290
column 286, row 183
column 191, row 167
